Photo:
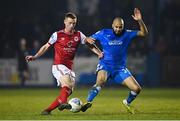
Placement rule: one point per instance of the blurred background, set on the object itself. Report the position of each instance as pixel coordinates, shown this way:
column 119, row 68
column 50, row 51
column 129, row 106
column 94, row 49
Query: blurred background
column 25, row 25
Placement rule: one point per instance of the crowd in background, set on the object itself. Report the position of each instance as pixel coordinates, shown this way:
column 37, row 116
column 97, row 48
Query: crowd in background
column 26, row 25
column 35, row 21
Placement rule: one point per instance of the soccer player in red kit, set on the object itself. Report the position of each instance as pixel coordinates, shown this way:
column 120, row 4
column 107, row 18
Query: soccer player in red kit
column 65, row 44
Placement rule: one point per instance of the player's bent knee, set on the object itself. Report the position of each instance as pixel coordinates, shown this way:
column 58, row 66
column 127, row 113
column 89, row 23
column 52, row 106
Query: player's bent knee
column 137, row 89
column 67, row 81
column 100, row 82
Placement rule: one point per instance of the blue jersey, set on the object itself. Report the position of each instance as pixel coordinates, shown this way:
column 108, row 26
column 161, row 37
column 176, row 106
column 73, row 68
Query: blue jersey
column 114, row 47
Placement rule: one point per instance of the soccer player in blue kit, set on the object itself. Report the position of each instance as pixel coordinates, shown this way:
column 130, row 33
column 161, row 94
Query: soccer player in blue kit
column 112, row 65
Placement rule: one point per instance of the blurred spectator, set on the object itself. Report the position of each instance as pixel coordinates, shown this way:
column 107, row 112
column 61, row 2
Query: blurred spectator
column 90, row 7
column 36, row 46
column 155, row 62
column 23, row 69
column 161, row 46
column 73, row 6
column 7, row 51
column 31, row 21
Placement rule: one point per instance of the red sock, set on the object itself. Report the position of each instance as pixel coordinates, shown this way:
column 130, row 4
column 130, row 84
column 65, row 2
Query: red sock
column 62, row 98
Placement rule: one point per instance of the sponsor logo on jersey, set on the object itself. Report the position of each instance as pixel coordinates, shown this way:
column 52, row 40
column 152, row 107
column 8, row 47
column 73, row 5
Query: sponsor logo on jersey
column 69, row 47
column 115, row 42
column 69, row 44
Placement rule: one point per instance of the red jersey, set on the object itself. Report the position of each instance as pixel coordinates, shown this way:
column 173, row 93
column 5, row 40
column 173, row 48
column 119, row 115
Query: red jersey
column 65, row 46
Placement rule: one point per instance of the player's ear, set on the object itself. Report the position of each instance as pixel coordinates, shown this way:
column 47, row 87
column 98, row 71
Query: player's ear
column 112, row 25
column 65, row 20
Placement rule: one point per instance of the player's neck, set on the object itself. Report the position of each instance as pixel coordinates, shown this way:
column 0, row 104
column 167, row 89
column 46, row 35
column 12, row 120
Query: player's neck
column 119, row 33
column 69, row 31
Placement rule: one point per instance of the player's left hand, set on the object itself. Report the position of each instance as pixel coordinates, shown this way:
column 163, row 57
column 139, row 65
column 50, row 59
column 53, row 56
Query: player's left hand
column 137, row 14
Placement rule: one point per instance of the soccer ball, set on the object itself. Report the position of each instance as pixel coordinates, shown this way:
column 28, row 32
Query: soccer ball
column 76, row 104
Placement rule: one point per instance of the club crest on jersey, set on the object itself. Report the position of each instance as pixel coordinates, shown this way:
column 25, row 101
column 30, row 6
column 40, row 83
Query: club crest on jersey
column 76, row 39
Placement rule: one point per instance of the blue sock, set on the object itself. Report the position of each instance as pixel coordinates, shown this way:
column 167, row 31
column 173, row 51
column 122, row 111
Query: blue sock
column 93, row 93
column 131, row 97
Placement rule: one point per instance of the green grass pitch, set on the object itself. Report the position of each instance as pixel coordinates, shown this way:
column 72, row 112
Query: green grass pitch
column 151, row 104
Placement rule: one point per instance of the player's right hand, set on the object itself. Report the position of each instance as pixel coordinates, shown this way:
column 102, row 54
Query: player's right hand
column 90, row 40
column 137, row 14
column 30, row 58
column 100, row 55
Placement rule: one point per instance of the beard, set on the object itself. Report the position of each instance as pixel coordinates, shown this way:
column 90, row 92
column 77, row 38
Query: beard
column 118, row 33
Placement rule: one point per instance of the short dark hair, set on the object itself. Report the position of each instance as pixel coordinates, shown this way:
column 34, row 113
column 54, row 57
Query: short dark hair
column 70, row 15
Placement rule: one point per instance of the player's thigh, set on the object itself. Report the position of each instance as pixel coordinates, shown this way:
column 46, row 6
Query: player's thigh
column 67, row 80
column 63, row 75
column 132, row 84
column 101, row 77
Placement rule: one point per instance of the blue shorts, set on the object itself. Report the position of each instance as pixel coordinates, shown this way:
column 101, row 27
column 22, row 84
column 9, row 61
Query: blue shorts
column 117, row 74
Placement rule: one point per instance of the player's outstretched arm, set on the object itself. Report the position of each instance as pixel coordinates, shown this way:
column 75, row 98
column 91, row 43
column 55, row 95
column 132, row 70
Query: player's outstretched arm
column 41, row 51
column 91, row 44
column 138, row 17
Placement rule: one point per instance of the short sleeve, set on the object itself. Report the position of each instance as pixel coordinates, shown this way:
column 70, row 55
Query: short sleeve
column 83, row 37
column 53, row 38
column 132, row 33
column 97, row 35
